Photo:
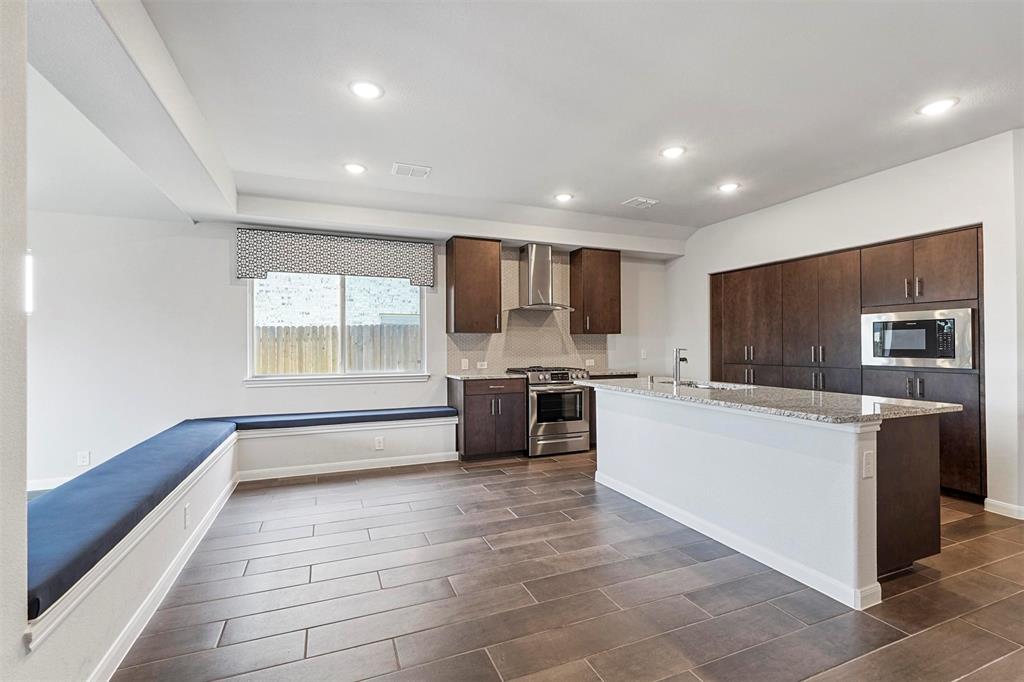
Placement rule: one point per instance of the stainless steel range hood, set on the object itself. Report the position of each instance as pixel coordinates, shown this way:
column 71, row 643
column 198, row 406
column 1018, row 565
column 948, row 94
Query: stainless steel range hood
column 536, row 290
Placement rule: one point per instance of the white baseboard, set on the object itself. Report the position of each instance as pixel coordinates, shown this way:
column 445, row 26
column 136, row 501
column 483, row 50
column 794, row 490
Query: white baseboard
column 108, row 665
column 855, row 598
column 46, row 483
column 350, row 465
column 1014, row 511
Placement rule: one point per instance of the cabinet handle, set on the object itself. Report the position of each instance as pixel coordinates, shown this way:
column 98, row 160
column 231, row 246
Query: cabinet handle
column 821, row 381
column 745, row 358
column 751, row 354
column 812, row 354
column 499, row 405
column 906, row 287
column 814, row 378
column 497, row 320
column 588, row 322
column 821, row 355
column 920, row 388
column 752, row 380
column 746, row 373
column 910, row 387
column 502, row 386
column 492, row 407
column 917, row 286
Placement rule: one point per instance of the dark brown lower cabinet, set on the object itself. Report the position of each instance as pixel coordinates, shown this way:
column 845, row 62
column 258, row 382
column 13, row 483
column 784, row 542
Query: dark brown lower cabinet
column 832, row 379
column 492, row 416
column 755, row 375
column 960, row 452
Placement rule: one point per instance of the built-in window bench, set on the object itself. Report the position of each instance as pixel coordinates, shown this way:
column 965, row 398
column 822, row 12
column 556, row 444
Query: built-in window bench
column 105, row 547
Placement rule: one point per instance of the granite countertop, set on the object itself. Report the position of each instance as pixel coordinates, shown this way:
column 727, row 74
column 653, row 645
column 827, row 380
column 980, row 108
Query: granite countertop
column 819, row 406
column 469, row 376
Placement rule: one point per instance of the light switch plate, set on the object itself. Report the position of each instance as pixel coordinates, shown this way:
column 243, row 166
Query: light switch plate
column 82, row 458
column 465, row 363
column 589, row 363
column 643, row 353
column 378, row 443
column 481, row 365
column 867, row 469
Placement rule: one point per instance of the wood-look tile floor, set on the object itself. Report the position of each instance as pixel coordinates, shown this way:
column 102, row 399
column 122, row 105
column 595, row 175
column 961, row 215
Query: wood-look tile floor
column 528, row 569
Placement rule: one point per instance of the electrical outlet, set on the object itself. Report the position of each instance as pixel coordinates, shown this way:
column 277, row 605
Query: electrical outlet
column 589, row 363
column 465, row 363
column 867, row 467
column 188, row 515
column 481, row 365
column 82, row 458
column 643, row 353
column 378, row 443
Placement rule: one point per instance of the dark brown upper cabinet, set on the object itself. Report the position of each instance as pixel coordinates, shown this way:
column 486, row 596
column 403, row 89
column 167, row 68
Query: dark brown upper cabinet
column 942, row 267
column 752, row 321
column 473, row 285
column 821, row 311
column 595, row 292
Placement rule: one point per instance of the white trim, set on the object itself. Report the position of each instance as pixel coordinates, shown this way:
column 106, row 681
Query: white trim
column 42, row 626
column 331, row 379
column 108, row 665
column 43, row 484
column 351, row 465
column 1014, row 511
column 856, row 598
column 287, row 431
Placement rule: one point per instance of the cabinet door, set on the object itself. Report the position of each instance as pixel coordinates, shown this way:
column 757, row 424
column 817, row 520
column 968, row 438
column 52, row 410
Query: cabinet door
column 888, row 383
column 839, row 380
column 766, row 316
column 887, row 274
column 734, row 374
column 800, row 377
column 839, row 310
column 959, row 432
column 510, row 422
column 766, row 375
column 479, row 421
column 473, row 285
column 715, row 284
column 595, row 291
column 946, row 267
column 737, row 311
column 800, row 313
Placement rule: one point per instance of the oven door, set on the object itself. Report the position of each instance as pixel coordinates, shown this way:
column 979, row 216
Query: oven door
column 558, row 410
column 919, row 338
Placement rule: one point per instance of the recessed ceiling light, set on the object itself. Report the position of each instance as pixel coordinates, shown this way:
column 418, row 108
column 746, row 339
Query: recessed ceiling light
column 355, row 168
column 366, row 89
column 729, row 187
column 939, row 107
column 563, row 197
column 672, row 152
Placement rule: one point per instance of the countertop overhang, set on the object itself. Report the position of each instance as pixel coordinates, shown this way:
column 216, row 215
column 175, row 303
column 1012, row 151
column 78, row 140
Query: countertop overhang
column 817, row 406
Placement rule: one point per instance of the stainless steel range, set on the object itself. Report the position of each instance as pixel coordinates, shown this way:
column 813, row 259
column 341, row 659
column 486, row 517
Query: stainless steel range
column 558, row 412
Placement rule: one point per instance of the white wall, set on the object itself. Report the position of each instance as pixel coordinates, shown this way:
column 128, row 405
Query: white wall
column 971, row 184
column 140, row 324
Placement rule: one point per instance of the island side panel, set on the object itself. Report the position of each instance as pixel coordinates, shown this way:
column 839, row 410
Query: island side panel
column 784, row 491
column 908, row 491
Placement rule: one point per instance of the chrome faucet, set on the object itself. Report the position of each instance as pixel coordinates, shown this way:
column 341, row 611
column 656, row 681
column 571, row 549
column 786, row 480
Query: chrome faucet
column 677, row 359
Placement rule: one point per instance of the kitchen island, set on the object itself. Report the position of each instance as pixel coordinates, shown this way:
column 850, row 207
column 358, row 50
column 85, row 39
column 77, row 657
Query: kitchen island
column 831, row 489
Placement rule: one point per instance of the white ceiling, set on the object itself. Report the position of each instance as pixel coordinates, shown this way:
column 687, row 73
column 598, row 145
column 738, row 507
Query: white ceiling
column 513, row 102
column 74, row 168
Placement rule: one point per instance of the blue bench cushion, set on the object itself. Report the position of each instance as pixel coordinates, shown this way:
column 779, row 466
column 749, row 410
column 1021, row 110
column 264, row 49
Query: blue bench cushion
column 72, row 527
column 281, row 421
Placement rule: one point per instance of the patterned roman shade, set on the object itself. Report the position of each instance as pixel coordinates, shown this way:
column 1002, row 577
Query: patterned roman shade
column 263, row 251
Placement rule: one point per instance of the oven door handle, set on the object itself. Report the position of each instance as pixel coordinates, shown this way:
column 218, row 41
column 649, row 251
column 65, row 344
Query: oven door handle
column 557, row 389
column 556, row 439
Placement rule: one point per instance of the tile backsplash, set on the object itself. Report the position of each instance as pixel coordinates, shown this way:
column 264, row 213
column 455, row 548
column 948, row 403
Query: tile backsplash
column 529, row 337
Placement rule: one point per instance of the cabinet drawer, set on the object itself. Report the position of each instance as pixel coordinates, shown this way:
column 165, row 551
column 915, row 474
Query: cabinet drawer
column 488, row 386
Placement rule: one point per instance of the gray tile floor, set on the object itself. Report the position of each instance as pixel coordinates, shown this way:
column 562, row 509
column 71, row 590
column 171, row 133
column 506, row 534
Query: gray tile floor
column 528, row 569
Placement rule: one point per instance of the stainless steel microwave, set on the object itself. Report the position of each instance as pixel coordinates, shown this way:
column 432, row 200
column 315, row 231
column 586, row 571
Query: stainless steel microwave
column 918, row 338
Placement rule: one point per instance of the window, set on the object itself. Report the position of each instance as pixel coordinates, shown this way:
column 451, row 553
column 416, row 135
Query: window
column 324, row 325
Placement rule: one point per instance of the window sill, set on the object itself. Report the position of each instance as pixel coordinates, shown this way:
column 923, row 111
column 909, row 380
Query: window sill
column 320, row 380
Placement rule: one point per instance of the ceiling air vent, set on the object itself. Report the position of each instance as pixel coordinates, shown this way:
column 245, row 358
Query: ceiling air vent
column 640, row 202
column 409, row 170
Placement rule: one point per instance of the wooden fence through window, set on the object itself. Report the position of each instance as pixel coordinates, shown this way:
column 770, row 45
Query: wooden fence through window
column 318, row 349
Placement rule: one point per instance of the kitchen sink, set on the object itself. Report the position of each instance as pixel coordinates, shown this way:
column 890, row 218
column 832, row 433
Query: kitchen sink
column 704, row 384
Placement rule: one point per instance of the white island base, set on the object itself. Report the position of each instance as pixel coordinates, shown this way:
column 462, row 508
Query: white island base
column 796, row 494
